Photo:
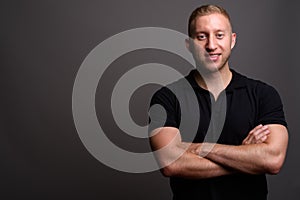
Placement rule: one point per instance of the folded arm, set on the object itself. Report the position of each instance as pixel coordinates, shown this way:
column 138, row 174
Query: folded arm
column 176, row 159
column 265, row 157
column 181, row 159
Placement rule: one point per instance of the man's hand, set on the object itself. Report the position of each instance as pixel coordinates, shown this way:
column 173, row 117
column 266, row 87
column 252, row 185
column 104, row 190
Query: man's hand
column 262, row 151
column 257, row 135
column 176, row 157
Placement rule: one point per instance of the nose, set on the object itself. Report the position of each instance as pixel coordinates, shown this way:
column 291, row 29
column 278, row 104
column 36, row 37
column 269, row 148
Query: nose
column 211, row 44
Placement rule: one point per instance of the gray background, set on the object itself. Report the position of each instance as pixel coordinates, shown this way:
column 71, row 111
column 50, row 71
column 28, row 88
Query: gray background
column 43, row 44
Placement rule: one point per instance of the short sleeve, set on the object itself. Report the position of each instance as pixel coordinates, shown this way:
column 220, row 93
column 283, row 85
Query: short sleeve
column 164, row 110
column 270, row 106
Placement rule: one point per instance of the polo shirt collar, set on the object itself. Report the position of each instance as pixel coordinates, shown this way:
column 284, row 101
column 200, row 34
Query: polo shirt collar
column 237, row 81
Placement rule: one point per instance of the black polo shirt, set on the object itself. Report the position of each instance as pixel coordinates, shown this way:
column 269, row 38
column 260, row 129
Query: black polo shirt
column 248, row 103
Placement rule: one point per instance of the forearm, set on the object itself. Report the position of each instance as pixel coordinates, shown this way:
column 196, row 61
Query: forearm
column 245, row 158
column 192, row 166
column 258, row 153
column 176, row 158
column 252, row 159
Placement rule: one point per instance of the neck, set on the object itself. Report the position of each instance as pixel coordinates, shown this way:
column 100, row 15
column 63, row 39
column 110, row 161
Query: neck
column 214, row 82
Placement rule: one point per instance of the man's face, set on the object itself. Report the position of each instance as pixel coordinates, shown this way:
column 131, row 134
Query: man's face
column 212, row 42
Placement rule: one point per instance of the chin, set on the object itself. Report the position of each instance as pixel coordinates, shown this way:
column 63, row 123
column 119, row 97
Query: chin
column 208, row 68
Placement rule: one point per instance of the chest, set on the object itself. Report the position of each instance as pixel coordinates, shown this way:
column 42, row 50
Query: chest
column 229, row 121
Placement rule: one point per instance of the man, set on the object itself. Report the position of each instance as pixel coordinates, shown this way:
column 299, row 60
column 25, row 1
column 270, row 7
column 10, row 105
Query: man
column 253, row 137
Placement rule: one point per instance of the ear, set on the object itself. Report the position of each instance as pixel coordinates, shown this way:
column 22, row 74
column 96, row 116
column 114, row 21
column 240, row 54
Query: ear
column 188, row 44
column 233, row 40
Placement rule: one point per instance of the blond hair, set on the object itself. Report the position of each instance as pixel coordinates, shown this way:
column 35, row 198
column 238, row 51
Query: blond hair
column 202, row 11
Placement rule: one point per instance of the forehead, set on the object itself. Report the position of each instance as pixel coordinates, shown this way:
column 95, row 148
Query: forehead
column 212, row 22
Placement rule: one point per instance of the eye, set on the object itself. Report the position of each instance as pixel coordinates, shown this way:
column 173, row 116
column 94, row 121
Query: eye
column 220, row 35
column 201, row 37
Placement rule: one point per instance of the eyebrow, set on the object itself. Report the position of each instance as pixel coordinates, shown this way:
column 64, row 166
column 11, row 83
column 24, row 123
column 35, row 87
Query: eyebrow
column 199, row 32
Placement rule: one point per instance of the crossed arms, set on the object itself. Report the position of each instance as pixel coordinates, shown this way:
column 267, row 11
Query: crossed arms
column 262, row 151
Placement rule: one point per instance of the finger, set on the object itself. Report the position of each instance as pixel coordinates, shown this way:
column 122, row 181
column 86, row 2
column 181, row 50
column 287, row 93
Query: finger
column 261, row 137
column 264, row 138
column 253, row 133
column 260, row 132
column 256, row 128
column 248, row 139
column 261, row 140
column 196, row 150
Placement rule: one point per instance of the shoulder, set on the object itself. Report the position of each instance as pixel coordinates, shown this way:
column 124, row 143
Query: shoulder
column 266, row 100
column 258, row 87
column 177, row 88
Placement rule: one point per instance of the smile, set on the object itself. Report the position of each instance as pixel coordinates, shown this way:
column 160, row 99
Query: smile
column 214, row 57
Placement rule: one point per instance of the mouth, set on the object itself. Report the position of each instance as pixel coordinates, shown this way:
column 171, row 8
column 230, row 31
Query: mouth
column 214, row 56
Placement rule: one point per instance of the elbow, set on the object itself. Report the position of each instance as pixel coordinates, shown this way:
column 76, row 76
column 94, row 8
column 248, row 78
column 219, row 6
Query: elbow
column 169, row 171
column 274, row 166
column 274, row 170
column 166, row 172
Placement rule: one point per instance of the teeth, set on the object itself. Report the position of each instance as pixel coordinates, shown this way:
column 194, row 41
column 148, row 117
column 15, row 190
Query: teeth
column 214, row 56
